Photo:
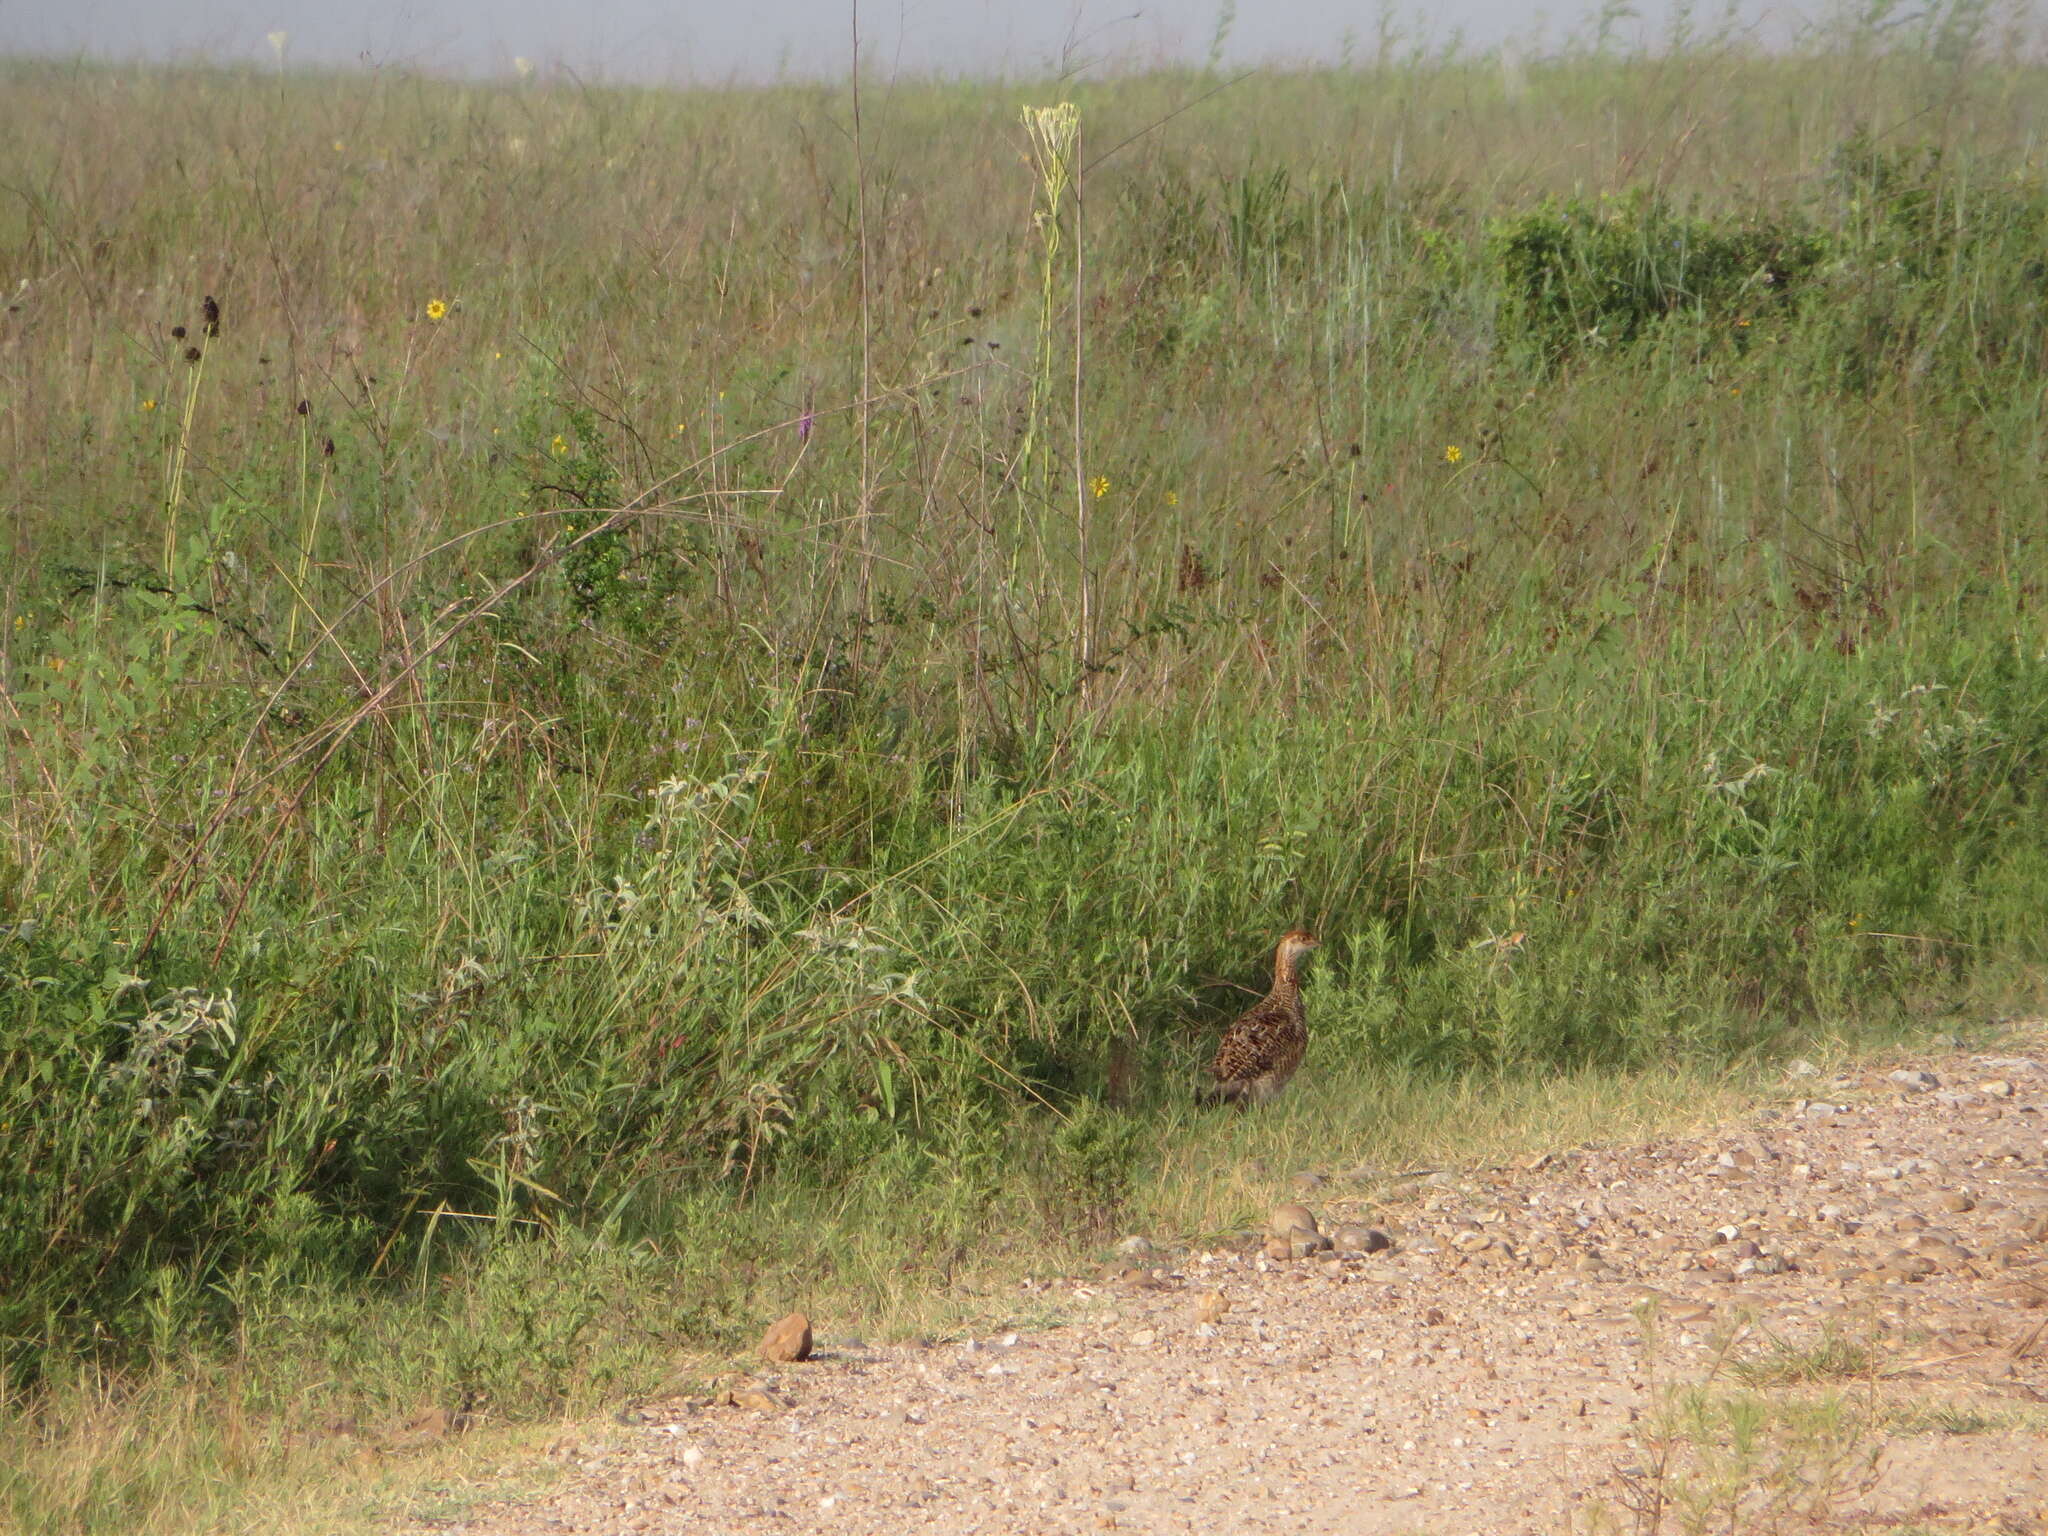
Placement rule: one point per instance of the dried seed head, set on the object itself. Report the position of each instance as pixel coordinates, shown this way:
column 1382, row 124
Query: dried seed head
column 327, row 449
column 191, row 354
column 177, row 333
column 304, row 407
column 211, row 310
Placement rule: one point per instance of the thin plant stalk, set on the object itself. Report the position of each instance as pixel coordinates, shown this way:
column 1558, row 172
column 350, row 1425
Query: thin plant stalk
column 865, row 510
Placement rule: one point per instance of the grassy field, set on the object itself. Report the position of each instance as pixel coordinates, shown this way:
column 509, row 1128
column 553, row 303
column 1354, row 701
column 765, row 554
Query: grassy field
column 623, row 708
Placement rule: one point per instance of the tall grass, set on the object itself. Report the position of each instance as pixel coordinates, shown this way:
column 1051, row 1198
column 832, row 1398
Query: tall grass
column 529, row 797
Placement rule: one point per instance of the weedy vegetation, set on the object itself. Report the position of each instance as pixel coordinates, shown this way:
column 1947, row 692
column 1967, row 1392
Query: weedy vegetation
column 1779, row 1434
column 544, row 818
column 1834, row 1355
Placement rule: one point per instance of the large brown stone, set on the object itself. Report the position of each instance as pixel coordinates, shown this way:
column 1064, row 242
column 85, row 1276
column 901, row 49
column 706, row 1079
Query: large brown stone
column 1286, row 1218
column 788, row 1340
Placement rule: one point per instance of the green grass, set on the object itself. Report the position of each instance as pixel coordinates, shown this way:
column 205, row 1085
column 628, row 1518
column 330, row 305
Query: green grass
column 534, row 837
column 1832, row 1356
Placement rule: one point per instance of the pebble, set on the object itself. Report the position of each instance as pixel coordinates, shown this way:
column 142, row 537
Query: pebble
column 1997, row 1088
column 1135, row 1246
column 1915, row 1081
column 748, row 1395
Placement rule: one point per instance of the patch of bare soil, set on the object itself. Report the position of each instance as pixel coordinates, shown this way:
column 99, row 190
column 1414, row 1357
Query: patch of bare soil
column 1515, row 1362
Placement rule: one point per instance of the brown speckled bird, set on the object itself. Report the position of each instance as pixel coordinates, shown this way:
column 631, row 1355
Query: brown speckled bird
column 1261, row 1051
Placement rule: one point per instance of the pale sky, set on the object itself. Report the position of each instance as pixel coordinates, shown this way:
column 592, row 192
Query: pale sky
column 714, row 40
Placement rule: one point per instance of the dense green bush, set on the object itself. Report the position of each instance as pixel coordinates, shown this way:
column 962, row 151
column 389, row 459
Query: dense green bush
column 1575, row 275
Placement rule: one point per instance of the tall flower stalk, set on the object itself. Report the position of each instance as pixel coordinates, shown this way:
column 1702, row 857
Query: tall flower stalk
column 1055, row 134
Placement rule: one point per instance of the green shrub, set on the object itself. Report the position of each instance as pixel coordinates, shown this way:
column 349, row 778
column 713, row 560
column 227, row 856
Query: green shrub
column 1577, row 276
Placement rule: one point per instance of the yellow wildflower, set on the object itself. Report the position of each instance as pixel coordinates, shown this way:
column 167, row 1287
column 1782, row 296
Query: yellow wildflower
column 1173, row 498
column 149, row 405
column 559, row 446
column 436, row 310
column 1453, row 453
column 1099, row 486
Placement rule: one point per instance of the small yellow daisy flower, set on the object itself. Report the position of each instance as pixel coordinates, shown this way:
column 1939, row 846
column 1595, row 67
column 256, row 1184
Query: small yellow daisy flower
column 436, row 310
column 1453, row 453
column 1173, row 498
column 149, row 405
column 1099, row 486
column 559, row 446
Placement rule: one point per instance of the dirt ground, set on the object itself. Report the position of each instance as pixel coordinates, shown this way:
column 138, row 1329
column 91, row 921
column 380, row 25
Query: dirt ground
column 1853, row 1281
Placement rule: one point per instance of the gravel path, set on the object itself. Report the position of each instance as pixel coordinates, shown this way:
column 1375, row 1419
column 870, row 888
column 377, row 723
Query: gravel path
column 1492, row 1372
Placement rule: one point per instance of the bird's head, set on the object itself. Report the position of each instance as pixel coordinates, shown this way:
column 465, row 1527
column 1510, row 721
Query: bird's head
column 1294, row 944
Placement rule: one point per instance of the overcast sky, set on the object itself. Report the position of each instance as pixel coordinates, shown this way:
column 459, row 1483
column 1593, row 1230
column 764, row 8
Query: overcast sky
column 711, row 40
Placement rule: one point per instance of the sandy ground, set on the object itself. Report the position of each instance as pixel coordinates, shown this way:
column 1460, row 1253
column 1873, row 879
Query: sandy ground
column 1503, row 1368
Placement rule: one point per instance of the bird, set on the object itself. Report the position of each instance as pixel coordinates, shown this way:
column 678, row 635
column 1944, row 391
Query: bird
column 1263, row 1049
